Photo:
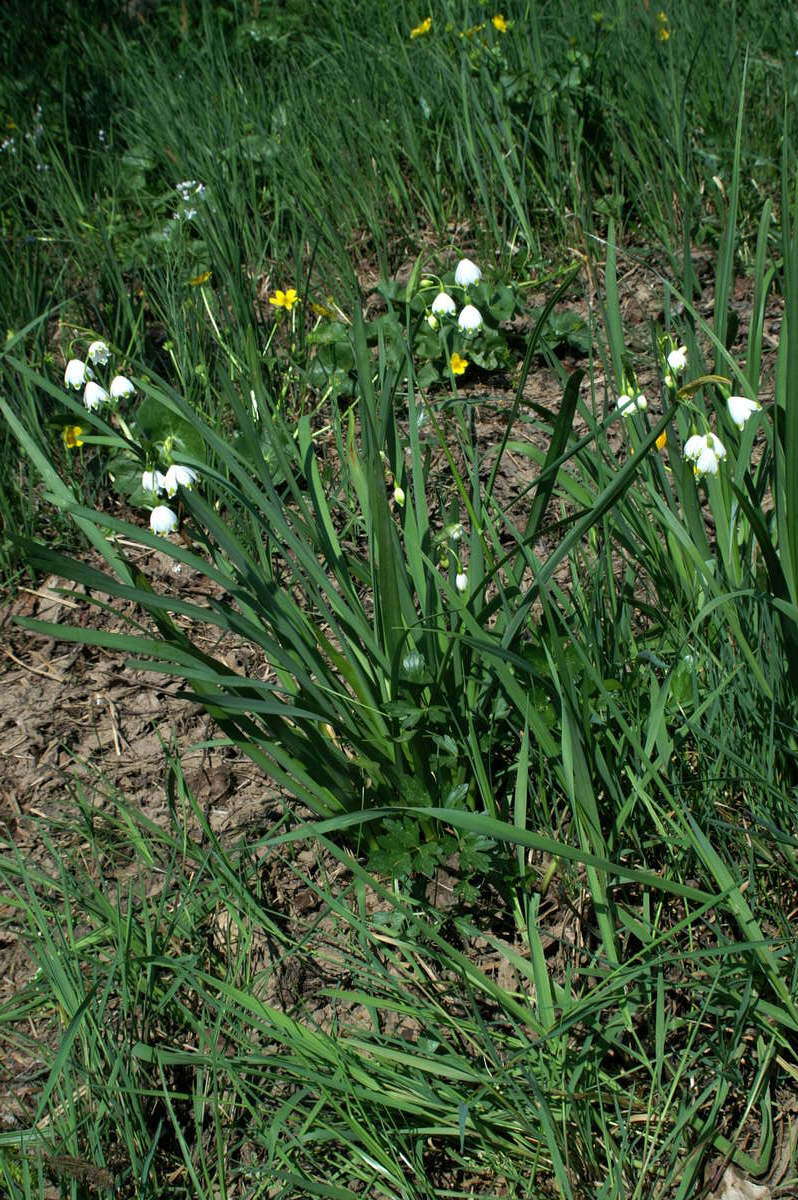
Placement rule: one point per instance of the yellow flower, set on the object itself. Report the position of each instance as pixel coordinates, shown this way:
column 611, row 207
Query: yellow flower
column 71, row 436
column 421, row 29
column 662, row 440
column 663, row 34
column 662, row 17
column 498, row 22
column 198, row 280
column 285, row 300
column 457, row 365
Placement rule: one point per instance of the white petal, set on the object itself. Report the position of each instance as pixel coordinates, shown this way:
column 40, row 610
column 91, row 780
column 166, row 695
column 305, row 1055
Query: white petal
column 716, row 445
column 461, row 581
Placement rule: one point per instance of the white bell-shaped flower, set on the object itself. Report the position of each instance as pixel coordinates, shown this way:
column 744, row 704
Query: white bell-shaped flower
column 443, row 305
column 163, row 520
column 470, row 319
column 179, row 476
column 153, row 481
column 741, row 408
column 121, row 387
column 693, row 447
column 716, row 445
column 461, row 581
column 94, row 396
column 99, row 354
column 77, row 373
column 706, row 452
column 707, row 462
column 466, row 273
column 631, row 404
column 677, row 359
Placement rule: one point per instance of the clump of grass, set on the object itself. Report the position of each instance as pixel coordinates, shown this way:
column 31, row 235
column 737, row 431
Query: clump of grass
column 572, row 687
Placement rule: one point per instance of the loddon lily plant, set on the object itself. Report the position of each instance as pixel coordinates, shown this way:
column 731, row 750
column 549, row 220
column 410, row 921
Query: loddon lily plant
column 150, row 434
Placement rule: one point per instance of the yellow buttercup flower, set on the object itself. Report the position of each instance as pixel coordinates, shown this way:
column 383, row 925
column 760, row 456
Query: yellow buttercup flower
column 498, row 22
column 662, row 440
column 457, row 365
column 421, row 29
column 663, row 34
column 285, row 300
column 71, row 436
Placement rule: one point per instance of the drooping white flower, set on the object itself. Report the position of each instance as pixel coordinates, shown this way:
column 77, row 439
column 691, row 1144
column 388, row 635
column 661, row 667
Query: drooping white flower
column 706, row 452
column 630, row 404
column 470, row 319
column 77, row 373
column 399, row 496
column 693, row 447
column 707, row 462
column 461, row 581
column 99, row 354
column 94, row 396
column 716, row 445
column 466, row 273
column 443, row 305
column 741, row 408
column 153, row 481
column 121, row 387
column 677, row 359
column 179, row 476
column 163, row 520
